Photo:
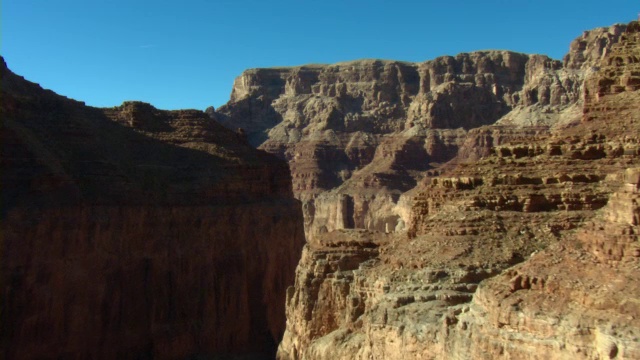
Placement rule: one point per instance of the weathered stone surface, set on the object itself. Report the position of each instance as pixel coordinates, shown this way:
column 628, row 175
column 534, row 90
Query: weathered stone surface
column 619, row 73
column 477, row 206
column 577, row 298
column 587, row 50
column 133, row 232
column 367, row 130
column 520, row 241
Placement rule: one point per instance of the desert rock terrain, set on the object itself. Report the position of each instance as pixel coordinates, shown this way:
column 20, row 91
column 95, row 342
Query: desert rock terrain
column 476, row 206
column 132, row 232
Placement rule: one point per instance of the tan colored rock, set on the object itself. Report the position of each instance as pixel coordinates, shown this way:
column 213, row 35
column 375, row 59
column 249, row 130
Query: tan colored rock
column 587, row 50
column 353, row 128
column 524, row 245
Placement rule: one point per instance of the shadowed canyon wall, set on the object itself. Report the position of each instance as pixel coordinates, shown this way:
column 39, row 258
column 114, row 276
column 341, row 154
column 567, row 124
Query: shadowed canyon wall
column 477, row 206
column 131, row 232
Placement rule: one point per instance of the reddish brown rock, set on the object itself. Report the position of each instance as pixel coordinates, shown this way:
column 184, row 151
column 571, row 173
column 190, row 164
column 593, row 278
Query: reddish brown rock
column 619, row 73
column 524, row 245
column 588, row 49
column 576, row 298
column 368, row 130
column 472, row 206
column 126, row 232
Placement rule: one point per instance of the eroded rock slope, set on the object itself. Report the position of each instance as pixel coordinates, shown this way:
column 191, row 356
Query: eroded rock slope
column 132, row 232
column 479, row 206
column 359, row 134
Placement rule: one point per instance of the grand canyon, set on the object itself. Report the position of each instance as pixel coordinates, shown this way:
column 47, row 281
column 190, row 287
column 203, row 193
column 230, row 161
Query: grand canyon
column 477, row 206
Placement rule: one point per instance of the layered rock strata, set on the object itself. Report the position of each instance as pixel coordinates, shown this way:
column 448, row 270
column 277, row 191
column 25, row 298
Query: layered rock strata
column 132, row 232
column 368, row 130
column 578, row 298
column 523, row 245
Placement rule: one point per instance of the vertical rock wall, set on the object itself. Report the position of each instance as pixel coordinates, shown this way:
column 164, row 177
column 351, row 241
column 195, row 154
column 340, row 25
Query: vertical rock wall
column 524, row 246
column 132, row 232
column 369, row 129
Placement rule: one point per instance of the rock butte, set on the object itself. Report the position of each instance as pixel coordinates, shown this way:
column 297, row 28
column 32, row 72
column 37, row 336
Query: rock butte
column 480, row 206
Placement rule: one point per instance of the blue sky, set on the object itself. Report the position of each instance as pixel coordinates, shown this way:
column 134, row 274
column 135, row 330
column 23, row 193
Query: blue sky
column 185, row 54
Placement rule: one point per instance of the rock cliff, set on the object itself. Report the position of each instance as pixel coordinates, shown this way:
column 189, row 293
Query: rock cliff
column 132, row 232
column 366, row 131
column 477, row 206
column 466, row 207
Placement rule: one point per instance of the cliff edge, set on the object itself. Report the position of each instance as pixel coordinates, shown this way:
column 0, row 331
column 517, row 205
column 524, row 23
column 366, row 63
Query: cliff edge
column 476, row 206
column 132, row 232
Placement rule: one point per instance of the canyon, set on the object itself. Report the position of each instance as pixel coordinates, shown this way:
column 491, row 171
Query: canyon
column 477, row 206
column 132, row 232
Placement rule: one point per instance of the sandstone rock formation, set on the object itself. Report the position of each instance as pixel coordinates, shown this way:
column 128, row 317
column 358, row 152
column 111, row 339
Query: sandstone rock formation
column 132, row 232
column 366, row 131
column 477, row 206
column 578, row 298
column 462, row 207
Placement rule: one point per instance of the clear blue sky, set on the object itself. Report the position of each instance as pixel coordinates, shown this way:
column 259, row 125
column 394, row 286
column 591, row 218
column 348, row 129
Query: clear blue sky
column 185, row 54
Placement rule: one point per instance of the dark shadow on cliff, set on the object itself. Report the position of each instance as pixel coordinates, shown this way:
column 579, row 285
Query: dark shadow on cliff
column 256, row 116
column 120, row 228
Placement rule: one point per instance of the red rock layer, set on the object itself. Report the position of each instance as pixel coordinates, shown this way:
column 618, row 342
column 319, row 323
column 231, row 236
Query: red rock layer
column 368, row 130
column 524, row 246
column 132, row 232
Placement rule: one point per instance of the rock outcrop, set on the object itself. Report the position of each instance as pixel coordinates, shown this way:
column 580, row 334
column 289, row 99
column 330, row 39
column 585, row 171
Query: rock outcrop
column 132, row 232
column 367, row 130
column 457, row 208
column 477, row 206
column 578, row 298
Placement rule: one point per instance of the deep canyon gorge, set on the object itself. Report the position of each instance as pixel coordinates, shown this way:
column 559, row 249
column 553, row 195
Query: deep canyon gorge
column 477, row 206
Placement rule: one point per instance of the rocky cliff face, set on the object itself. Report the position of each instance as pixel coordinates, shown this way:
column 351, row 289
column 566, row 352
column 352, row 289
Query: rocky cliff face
column 133, row 232
column 577, row 298
column 479, row 206
column 428, row 188
column 366, row 131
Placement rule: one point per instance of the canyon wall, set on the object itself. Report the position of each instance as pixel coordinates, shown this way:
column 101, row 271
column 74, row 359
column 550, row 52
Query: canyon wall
column 469, row 207
column 132, row 232
column 476, row 206
column 366, row 131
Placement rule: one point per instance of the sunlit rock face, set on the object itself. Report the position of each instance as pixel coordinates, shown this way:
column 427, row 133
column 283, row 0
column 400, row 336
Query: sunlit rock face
column 471, row 207
column 132, row 232
column 366, row 131
column 479, row 206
